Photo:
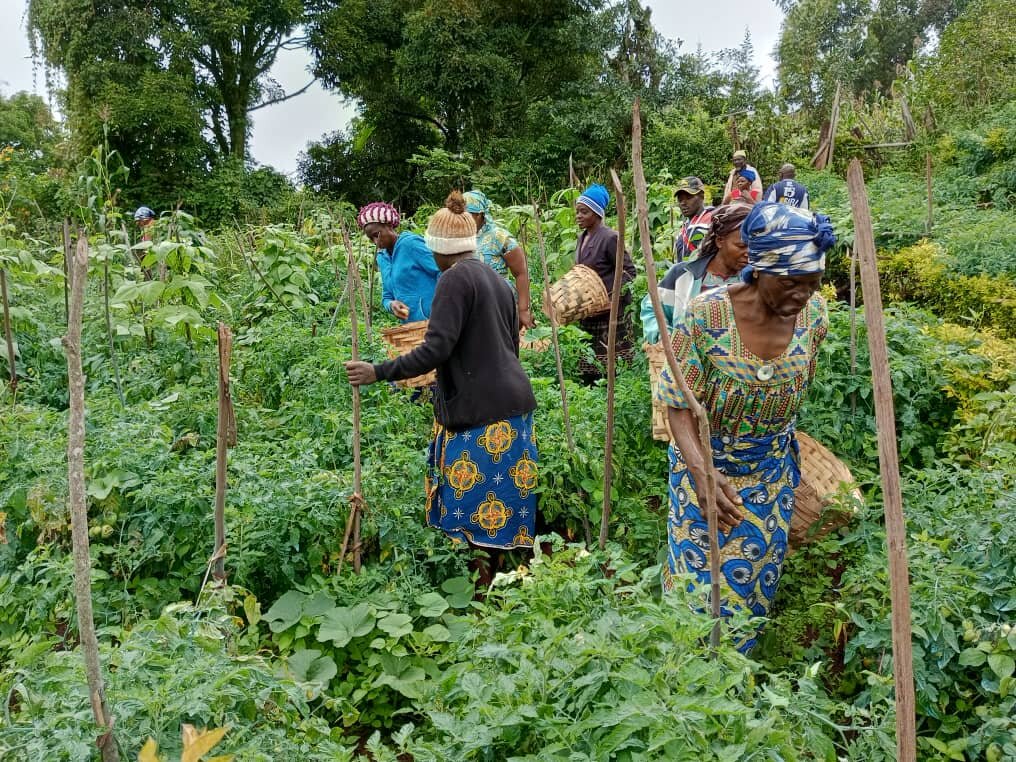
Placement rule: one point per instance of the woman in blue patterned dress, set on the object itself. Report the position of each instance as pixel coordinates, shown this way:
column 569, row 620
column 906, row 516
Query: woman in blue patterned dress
column 748, row 352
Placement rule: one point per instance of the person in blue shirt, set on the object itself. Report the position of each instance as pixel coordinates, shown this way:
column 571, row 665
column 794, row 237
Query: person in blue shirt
column 408, row 271
column 787, row 190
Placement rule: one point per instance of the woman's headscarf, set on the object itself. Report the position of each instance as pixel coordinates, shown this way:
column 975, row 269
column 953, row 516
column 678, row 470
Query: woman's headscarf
column 725, row 220
column 785, row 240
column 478, row 203
column 596, row 198
column 380, row 212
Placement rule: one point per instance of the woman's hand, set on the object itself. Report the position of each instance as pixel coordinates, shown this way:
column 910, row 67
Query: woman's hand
column 728, row 503
column 360, row 373
column 526, row 319
column 399, row 309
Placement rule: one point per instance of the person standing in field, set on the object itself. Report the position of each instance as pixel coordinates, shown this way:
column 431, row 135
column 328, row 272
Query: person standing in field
column 597, row 249
column 691, row 199
column 499, row 249
column 740, row 162
column 744, row 191
column 721, row 258
column 408, row 272
column 787, row 190
column 483, row 463
column 749, row 353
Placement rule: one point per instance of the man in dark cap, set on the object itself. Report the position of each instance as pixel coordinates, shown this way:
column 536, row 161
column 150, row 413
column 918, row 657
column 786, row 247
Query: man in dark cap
column 691, row 199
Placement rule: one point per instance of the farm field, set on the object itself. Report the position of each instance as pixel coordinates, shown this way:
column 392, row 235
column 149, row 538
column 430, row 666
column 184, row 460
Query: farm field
column 574, row 653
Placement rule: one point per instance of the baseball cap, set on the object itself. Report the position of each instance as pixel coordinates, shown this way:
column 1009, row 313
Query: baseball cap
column 740, row 154
column 690, row 185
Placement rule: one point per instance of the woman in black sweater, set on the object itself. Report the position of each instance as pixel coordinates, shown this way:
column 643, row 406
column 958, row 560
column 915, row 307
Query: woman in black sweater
column 482, row 471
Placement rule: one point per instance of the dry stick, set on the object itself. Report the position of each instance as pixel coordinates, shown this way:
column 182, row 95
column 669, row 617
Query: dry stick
column 708, row 494
column 8, row 333
column 615, row 303
column 853, row 330
column 67, row 255
column 834, row 120
column 78, row 508
column 356, row 502
column 225, row 436
column 927, row 180
column 888, row 458
column 109, row 328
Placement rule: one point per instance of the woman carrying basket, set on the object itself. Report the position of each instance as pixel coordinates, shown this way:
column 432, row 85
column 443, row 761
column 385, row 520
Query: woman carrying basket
column 482, row 471
column 597, row 249
column 748, row 352
column 408, row 272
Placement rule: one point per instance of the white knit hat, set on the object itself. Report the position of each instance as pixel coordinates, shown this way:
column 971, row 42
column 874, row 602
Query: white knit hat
column 451, row 230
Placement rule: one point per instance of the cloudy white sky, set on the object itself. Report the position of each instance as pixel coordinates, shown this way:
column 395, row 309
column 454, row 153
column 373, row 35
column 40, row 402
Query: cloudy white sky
column 282, row 131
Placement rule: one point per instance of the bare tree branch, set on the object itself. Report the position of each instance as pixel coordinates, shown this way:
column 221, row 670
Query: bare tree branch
column 281, row 98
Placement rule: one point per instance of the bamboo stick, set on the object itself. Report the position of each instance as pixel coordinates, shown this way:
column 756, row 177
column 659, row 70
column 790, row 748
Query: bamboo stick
column 895, row 523
column 554, row 328
column 8, row 333
column 356, row 502
column 225, row 435
column 79, row 509
column 615, row 303
column 707, row 492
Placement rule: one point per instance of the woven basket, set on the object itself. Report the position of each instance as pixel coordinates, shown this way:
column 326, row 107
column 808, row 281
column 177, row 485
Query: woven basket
column 579, row 294
column 822, row 475
column 535, row 345
column 403, row 339
column 657, row 360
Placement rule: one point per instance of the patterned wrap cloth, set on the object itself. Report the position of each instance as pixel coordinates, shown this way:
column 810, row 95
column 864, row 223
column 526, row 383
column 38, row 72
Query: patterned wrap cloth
column 380, row 212
column 753, row 446
column 784, row 240
column 481, row 483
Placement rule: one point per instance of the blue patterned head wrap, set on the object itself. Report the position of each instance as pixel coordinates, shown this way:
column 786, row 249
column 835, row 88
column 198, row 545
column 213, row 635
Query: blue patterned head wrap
column 478, row 203
column 785, row 240
column 596, row 198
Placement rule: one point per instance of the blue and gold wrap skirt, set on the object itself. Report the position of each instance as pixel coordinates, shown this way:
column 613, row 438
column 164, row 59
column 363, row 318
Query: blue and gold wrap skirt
column 481, row 483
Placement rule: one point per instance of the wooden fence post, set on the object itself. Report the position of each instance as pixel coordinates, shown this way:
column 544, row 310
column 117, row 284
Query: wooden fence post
column 8, row 333
column 225, row 437
column 888, row 459
column 79, row 509
column 615, row 304
column 931, row 198
column 68, row 254
column 707, row 492
column 356, row 501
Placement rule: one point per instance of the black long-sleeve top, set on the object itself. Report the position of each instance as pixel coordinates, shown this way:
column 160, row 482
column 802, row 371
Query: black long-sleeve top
column 473, row 342
column 597, row 249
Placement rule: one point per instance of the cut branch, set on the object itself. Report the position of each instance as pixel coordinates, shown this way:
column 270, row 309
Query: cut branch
column 708, row 494
column 78, row 507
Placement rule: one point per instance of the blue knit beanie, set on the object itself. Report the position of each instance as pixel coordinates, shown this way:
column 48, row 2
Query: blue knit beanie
column 596, row 198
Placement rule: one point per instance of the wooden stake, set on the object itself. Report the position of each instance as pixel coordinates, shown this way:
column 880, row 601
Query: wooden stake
column 356, row 501
column 225, row 437
column 555, row 338
column 834, row 122
column 706, row 492
column 853, row 329
column 8, row 333
column 931, row 199
column 109, row 328
column 888, row 459
column 573, row 180
column 68, row 254
column 615, row 304
column 79, row 508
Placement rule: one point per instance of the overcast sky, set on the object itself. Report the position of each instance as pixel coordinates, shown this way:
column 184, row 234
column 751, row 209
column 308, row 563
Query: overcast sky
column 282, row 131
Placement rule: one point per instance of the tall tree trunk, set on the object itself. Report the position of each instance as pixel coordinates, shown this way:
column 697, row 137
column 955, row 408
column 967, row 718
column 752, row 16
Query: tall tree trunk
column 78, row 508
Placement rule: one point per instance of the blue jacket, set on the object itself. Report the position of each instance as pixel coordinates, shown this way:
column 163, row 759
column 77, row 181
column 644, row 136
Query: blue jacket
column 409, row 275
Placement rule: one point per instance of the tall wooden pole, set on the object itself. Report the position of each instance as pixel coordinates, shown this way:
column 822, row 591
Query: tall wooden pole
column 888, row 460
column 79, row 508
column 707, row 492
column 356, row 502
column 552, row 314
column 225, row 436
column 931, row 199
column 68, row 254
column 853, row 328
column 615, row 304
column 8, row 333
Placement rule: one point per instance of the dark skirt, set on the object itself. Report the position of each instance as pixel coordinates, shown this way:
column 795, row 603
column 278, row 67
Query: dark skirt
column 598, row 327
column 481, row 483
